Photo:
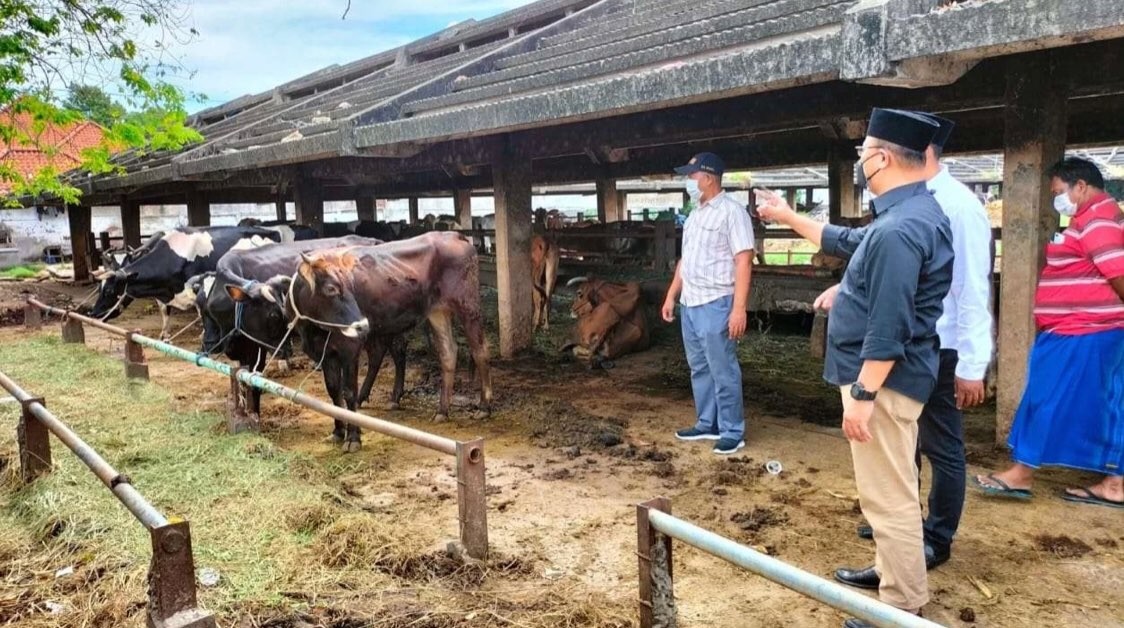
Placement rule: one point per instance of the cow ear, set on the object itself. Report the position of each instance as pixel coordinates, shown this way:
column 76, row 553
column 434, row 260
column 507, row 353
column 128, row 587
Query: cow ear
column 238, row 294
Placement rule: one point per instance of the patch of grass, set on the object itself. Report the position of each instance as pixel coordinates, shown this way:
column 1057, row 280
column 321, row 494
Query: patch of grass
column 23, row 271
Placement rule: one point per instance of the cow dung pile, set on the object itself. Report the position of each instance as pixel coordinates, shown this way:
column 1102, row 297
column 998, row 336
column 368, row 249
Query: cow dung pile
column 558, row 423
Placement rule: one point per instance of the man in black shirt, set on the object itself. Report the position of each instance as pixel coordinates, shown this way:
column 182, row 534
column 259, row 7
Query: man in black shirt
column 882, row 340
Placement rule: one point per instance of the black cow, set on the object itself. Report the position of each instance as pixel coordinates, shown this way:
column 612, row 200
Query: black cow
column 243, row 312
column 162, row 267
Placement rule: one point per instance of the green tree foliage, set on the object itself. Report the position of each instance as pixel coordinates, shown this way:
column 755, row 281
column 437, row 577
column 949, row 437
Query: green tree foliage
column 94, row 104
column 122, row 46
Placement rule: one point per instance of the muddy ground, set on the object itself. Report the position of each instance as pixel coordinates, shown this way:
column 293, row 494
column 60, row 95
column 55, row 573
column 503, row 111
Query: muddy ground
column 570, row 452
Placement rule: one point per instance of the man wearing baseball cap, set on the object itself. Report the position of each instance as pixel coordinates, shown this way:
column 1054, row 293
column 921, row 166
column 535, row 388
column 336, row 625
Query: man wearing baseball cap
column 882, row 338
column 712, row 285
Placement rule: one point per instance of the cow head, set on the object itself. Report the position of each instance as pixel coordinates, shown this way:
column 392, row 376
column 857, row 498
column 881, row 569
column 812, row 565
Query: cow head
column 113, row 296
column 322, row 293
column 260, row 310
column 585, row 298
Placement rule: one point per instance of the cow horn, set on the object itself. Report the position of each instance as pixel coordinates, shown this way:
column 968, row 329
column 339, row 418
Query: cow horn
column 568, row 348
column 267, row 292
column 575, row 281
column 101, row 274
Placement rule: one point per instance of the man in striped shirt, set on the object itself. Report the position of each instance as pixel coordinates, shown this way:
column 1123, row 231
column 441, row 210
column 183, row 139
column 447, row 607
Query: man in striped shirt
column 1072, row 410
column 713, row 277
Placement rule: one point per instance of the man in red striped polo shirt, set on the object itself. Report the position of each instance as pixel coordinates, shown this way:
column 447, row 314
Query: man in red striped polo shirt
column 1072, row 411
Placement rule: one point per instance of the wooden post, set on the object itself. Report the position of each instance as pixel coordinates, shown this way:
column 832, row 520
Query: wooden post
column 622, row 205
column 842, row 195
column 103, row 241
column 32, row 317
column 462, row 207
column 198, row 209
column 818, row 347
column 511, row 181
column 130, row 222
column 34, row 442
column 808, row 193
column 136, row 367
column 93, row 256
column 414, row 218
column 607, row 199
column 78, row 217
column 240, row 417
column 365, row 208
column 686, row 200
column 310, row 204
column 72, row 331
column 472, row 506
column 172, row 601
column 789, row 195
column 653, row 552
column 1034, row 138
column 280, row 205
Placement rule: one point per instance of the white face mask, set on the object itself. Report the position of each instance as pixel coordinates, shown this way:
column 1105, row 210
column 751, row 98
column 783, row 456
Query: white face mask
column 693, row 190
column 1063, row 205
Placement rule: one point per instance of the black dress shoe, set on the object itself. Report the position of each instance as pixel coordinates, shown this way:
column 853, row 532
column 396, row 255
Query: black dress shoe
column 934, row 559
column 860, row 578
column 865, row 532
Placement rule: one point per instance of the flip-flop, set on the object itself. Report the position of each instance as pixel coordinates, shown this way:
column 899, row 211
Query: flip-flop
column 1002, row 490
column 1090, row 498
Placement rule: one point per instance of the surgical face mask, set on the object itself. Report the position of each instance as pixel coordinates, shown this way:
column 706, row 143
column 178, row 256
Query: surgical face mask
column 864, row 180
column 1063, row 205
column 693, row 190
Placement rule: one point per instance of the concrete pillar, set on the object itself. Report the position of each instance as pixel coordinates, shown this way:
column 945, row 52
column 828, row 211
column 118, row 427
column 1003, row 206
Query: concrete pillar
column 414, row 210
column 462, row 208
column 622, row 205
column 310, row 204
column 198, row 209
column 511, row 180
column 130, row 222
column 365, row 208
column 608, row 209
column 1034, row 138
column 843, row 199
column 79, row 218
column 280, row 206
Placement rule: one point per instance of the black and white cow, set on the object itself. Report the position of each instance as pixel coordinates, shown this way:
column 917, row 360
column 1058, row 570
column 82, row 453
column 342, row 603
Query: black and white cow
column 162, row 267
column 289, row 231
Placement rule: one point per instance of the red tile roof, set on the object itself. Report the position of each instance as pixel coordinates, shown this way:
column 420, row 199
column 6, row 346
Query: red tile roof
column 57, row 146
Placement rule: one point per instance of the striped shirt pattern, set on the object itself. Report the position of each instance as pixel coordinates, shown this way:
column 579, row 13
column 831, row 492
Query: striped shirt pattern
column 1074, row 294
column 714, row 233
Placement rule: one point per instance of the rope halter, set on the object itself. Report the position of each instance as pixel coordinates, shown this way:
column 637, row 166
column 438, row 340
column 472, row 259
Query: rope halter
column 350, row 330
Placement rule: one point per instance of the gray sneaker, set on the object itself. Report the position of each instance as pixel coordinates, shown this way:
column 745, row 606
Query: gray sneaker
column 694, row 434
column 727, row 446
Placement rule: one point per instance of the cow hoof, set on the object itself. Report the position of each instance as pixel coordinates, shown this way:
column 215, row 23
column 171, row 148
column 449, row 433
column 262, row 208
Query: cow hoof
column 439, row 417
column 351, row 447
column 335, row 438
column 481, row 413
column 393, row 406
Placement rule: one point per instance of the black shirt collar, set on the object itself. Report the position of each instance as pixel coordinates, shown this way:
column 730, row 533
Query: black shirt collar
column 885, row 202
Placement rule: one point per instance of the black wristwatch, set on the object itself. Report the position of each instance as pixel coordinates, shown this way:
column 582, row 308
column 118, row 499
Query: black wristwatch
column 859, row 393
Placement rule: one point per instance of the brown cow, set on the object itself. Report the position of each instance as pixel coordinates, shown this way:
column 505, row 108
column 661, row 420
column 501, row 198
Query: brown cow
column 611, row 321
column 389, row 289
column 545, row 258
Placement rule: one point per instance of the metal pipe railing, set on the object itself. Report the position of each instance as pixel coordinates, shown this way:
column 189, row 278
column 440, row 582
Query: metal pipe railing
column 114, row 481
column 471, row 498
column 782, row 573
column 171, row 576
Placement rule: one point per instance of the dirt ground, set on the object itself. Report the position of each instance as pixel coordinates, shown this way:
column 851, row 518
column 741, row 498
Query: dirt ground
column 570, row 452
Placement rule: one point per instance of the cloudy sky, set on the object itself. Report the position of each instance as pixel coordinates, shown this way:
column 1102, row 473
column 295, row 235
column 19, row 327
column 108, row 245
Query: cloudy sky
column 248, row 46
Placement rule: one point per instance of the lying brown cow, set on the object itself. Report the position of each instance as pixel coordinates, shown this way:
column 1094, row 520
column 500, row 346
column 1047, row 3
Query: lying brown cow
column 611, row 321
column 545, row 258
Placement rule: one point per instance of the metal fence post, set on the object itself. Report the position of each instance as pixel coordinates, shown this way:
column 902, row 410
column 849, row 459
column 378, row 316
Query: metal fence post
column 32, row 317
column 34, row 442
column 171, row 581
column 653, row 551
column 472, row 507
column 135, row 365
column 239, row 417
column 72, row 331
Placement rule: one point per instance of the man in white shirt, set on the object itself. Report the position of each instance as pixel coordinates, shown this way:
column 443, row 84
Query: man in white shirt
column 713, row 276
column 965, row 330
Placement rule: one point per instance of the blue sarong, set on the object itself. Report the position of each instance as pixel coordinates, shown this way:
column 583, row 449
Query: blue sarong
column 1072, row 411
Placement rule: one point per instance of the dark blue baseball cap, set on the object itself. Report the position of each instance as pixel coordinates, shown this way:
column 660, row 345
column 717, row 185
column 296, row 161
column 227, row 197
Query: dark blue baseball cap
column 703, row 162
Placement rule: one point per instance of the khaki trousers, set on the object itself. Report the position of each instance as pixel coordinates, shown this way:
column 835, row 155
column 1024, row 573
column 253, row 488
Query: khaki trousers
column 887, row 480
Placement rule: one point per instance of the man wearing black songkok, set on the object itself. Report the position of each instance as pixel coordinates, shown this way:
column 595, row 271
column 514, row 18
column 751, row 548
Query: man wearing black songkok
column 882, row 339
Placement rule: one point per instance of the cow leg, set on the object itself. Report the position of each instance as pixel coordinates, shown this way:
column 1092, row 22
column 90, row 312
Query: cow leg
column 398, row 354
column 376, row 349
column 536, row 301
column 442, row 324
column 350, row 379
column 165, row 321
column 549, row 281
column 333, row 383
column 472, row 322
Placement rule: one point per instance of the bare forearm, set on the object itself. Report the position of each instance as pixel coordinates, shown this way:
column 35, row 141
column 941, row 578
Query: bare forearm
column 743, row 273
column 874, row 373
column 809, row 229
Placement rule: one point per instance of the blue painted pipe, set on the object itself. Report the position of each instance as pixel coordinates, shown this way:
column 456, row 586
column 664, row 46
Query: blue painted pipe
column 811, row 585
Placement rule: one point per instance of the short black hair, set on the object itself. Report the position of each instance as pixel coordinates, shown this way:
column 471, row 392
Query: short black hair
column 1074, row 169
column 908, row 156
column 938, row 150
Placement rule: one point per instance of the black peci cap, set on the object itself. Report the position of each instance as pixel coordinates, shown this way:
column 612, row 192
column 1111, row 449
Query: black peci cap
column 946, row 127
column 904, row 128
